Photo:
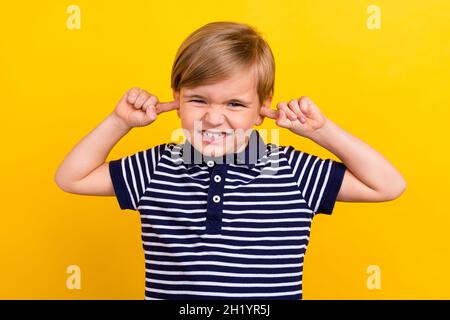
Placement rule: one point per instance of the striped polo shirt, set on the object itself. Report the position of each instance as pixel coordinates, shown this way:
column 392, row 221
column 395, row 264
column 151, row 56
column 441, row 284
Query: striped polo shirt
column 232, row 227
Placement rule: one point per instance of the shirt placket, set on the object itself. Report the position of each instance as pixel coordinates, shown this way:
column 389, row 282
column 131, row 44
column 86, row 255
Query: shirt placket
column 215, row 197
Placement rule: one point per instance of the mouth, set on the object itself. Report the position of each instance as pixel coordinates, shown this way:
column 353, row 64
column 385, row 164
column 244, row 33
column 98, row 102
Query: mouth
column 214, row 137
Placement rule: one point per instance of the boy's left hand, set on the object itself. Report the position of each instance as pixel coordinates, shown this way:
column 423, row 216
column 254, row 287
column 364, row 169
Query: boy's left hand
column 301, row 116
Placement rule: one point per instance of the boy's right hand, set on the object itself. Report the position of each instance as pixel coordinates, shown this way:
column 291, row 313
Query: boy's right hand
column 139, row 108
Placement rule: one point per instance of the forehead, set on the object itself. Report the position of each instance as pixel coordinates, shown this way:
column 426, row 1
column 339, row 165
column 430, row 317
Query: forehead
column 239, row 85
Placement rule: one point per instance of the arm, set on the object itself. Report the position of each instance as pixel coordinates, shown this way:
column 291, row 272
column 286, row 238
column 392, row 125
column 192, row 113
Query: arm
column 84, row 170
column 369, row 176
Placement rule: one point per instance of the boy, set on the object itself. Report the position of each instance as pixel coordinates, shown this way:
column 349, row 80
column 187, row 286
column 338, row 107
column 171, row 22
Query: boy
column 225, row 215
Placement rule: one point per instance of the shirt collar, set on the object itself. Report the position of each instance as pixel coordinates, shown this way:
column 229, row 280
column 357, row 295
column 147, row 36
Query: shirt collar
column 253, row 152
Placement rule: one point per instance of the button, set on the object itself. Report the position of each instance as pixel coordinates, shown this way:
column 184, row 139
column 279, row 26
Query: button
column 216, row 199
column 217, row 178
column 210, row 163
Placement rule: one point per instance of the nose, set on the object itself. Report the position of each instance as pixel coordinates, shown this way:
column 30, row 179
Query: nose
column 214, row 116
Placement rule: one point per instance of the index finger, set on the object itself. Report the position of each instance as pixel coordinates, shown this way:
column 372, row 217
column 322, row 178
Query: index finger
column 269, row 112
column 166, row 106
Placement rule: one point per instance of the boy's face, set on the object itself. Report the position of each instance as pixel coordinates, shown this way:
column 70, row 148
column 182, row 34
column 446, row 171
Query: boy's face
column 229, row 108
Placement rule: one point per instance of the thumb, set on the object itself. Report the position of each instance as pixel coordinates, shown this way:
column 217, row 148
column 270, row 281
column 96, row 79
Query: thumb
column 281, row 121
column 150, row 113
column 283, row 115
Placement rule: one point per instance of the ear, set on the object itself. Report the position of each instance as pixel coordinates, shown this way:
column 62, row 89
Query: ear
column 260, row 118
column 176, row 97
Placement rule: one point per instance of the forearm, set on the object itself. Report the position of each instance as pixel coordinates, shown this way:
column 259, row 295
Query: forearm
column 367, row 164
column 91, row 151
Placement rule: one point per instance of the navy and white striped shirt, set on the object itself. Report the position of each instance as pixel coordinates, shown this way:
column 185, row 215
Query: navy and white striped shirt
column 221, row 229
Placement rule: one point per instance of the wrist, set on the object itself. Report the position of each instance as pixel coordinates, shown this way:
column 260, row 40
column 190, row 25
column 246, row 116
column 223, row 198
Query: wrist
column 119, row 123
column 320, row 135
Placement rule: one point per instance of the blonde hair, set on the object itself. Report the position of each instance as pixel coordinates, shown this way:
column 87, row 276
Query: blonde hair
column 219, row 49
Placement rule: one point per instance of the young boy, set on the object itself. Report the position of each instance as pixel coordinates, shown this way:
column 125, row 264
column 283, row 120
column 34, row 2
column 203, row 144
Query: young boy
column 225, row 215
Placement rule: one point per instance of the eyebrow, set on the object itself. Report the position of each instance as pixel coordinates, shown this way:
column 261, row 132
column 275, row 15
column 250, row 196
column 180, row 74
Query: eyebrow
column 190, row 96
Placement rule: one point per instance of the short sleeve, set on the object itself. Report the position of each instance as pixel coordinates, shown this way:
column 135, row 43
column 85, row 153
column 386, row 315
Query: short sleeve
column 131, row 175
column 319, row 180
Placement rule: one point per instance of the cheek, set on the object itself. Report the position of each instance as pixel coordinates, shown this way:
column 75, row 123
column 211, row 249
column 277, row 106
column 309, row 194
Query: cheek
column 188, row 116
column 243, row 119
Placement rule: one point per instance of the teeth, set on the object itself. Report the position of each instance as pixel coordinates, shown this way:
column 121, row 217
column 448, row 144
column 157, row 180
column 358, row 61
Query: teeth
column 212, row 135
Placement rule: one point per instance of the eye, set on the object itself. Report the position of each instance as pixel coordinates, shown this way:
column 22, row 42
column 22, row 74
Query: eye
column 234, row 104
column 237, row 104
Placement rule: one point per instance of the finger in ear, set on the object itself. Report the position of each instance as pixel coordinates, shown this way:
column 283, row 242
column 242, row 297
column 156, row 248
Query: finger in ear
column 268, row 112
column 282, row 115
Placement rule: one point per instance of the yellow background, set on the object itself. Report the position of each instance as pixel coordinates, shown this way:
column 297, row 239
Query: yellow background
column 390, row 87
